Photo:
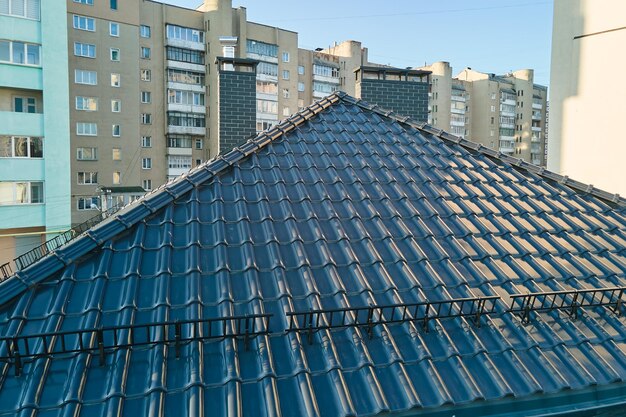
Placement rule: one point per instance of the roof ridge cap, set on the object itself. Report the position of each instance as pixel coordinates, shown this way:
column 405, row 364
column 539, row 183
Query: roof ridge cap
column 577, row 186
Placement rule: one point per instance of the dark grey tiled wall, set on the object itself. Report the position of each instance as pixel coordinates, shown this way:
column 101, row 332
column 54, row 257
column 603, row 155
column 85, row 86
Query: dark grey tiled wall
column 237, row 114
column 405, row 98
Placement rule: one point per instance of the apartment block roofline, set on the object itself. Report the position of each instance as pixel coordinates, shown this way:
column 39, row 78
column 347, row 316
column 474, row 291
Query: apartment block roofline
column 393, row 70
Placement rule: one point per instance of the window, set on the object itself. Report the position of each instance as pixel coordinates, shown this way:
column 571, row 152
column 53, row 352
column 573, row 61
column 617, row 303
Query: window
column 86, row 154
column 146, row 97
column 86, row 129
column 85, row 77
column 114, row 29
column 186, row 119
column 186, row 77
column 85, row 178
column 117, row 177
column 285, row 56
column 21, row 147
column 147, row 185
column 21, row 8
column 286, row 111
column 493, row 96
column 90, row 203
column 261, row 48
column 300, row 103
column 185, row 55
column 146, row 118
column 86, row 103
column 326, row 71
column 198, row 143
column 493, row 109
column 115, row 80
column 266, row 106
column 116, row 154
column 285, row 74
column 85, row 50
column 24, row 104
column 178, row 141
column 89, row 2
column 185, row 97
column 184, row 34
column 145, row 75
column 146, row 163
column 21, row 193
column 113, row 4
column 84, row 23
column 145, row 52
column 266, row 87
column 266, row 68
column 300, row 87
column 198, row 162
column 331, row 88
column 19, row 53
column 285, row 93
column 116, row 131
column 262, row 125
column 115, row 54
column 116, row 105
column 144, row 31
column 146, row 141
column 179, row 162
column 300, row 69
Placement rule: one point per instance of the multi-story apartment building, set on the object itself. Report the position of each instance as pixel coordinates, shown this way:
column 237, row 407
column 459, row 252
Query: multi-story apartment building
column 34, row 130
column 586, row 101
column 147, row 91
column 506, row 113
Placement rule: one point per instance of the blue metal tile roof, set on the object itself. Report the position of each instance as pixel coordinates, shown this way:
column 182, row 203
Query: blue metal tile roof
column 341, row 206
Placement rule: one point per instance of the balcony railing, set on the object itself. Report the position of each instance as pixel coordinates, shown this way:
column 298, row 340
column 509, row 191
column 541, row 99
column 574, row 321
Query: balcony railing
column 25, row 260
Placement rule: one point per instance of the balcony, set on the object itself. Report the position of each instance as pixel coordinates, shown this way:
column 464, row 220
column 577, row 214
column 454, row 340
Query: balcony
column 186, row 87
column 324, row 79
column 264, row 58
column 175, row 172
column 22, row 169
column 197, row 46
column 186, row 108
column 186, row 130
column 179, row 151
column 21, row 76
column 185, row 66
column 537, row 106
column 26, row 124
column 536, row 128
column 22, row 215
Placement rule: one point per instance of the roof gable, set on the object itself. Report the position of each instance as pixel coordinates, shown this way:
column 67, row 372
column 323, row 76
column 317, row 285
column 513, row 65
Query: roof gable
column 340, row 206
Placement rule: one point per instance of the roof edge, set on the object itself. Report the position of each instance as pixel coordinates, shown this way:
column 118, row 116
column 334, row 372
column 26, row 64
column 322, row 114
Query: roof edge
column 577, row 186
column 149, row 203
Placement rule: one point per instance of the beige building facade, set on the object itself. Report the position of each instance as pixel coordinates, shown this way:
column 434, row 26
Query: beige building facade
column 506, row 112
column 586, row 100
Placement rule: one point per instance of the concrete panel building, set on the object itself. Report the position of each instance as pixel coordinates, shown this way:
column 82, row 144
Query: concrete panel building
column 503, row 112
column 34, row 129
column 586, row 99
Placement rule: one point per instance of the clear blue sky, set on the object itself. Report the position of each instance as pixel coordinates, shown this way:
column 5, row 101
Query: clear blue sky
column 487, row 35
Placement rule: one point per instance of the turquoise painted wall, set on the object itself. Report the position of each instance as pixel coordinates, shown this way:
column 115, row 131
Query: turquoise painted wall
column 52, row 78
column 56, row 113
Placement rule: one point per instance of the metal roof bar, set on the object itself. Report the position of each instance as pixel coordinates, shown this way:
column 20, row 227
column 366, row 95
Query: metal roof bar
column 570, row 301
column 99, row 340
column 368, row 317
column 35, row 254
